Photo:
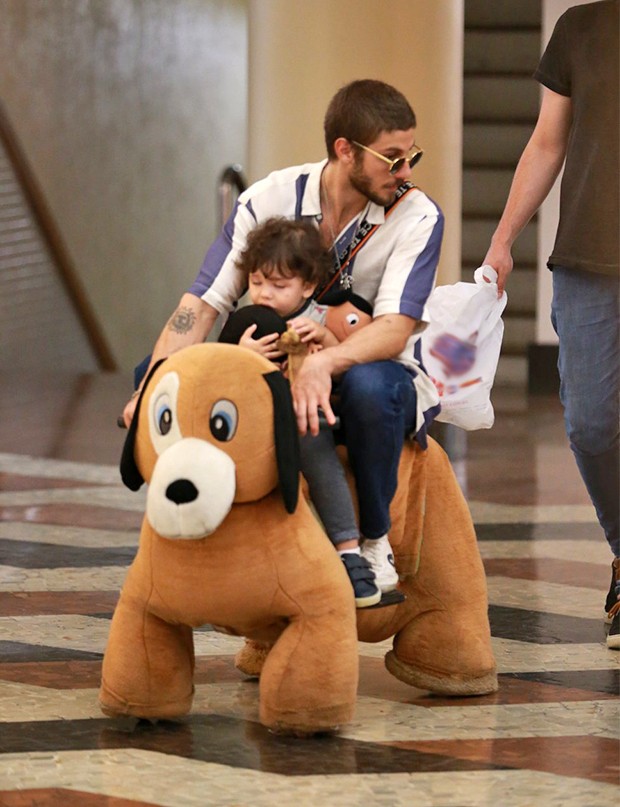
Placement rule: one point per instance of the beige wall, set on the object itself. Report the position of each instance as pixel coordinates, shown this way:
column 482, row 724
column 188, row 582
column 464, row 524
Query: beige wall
column 128, row 110
column 301, row 53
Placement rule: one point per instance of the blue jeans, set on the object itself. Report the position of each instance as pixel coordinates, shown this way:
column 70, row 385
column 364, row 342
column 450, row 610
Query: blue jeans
column 585, row 315
column 377, row 409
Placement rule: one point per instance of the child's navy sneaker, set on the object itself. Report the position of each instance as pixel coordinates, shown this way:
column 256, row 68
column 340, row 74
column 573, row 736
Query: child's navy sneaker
column 362, row 579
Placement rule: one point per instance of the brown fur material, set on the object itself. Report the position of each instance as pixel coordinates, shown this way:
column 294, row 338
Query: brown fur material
column 442, row 639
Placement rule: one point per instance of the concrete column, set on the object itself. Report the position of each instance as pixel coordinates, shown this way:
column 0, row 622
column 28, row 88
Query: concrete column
column 301, row 53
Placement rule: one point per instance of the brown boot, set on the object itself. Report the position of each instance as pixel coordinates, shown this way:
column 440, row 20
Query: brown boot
column 612, row 606
column 614, row 587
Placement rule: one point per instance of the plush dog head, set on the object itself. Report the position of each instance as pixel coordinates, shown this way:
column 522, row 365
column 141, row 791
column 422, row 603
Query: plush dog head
column 214, row 426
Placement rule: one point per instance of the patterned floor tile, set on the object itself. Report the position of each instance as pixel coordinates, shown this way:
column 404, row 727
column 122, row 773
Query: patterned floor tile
column 593, row 758
column 549, row 736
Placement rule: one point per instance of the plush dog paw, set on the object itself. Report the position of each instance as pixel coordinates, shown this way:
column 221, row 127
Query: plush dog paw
column 251, row 658
column 455, row 686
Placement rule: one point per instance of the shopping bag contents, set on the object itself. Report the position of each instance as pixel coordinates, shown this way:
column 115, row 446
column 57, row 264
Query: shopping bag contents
column 461, row 347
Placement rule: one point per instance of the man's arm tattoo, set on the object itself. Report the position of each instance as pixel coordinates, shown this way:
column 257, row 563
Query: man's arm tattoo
column 182, row 321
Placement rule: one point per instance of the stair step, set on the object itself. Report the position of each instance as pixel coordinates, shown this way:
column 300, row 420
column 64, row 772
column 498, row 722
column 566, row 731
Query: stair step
column 476, row 238
column 492, row 51
column 502, row 47
column 494, row 144
column 521, row 290
column 519, row 332
column 485, row 190
column 506, row 13
column 511, row 372
column 493, row 98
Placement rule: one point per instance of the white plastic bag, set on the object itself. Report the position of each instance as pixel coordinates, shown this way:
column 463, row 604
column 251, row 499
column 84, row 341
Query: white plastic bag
column 461, row 346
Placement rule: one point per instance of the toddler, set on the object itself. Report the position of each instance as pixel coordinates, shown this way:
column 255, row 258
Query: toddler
column 283, row 263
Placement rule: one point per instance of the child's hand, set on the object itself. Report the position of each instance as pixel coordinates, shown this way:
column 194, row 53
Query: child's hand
column 265, row 346
column 308, row 329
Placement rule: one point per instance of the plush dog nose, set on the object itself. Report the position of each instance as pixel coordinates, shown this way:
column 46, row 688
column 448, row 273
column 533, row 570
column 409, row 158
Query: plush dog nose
column 181, row 492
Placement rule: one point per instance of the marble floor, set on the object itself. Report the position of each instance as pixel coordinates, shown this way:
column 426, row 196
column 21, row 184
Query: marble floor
column 68, row 530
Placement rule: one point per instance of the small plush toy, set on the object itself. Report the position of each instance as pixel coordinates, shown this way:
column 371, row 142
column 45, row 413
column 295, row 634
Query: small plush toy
column 226, row 541
column 347, row 312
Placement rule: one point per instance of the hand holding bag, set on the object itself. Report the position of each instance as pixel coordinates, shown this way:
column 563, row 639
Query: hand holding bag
column 461, row 346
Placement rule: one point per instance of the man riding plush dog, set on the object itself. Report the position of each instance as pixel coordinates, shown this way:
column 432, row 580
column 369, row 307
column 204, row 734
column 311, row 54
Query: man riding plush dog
column 385, row 235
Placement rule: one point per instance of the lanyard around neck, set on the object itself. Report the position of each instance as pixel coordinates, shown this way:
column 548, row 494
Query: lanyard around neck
column 362, row 233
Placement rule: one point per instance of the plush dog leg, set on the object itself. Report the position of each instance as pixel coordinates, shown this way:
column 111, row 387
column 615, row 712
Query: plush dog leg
column 309, row 679
column 148, row 665
column 446, row 645
column 250, row 659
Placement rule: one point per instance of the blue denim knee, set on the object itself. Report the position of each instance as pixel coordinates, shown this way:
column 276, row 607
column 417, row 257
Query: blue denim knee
column 378, row 410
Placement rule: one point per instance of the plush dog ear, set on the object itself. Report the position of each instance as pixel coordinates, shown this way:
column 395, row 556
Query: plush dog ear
column 130, row 474
column 287, row 438
column 339, row 296
column 265, row 319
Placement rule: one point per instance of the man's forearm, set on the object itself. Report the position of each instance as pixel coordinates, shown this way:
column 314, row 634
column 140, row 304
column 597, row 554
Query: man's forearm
column 533, row 179
column 538, row 167
column 384, row 338
column 190, row 324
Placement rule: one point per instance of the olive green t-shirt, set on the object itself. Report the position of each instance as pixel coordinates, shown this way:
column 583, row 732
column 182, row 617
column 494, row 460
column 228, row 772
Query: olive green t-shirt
column 581, row 61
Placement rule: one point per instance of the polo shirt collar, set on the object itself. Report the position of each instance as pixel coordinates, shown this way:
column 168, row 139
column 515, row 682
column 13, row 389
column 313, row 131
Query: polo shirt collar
column 311, row 202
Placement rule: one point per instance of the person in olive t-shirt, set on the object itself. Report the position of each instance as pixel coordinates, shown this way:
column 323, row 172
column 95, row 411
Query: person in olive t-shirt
column 578, row 123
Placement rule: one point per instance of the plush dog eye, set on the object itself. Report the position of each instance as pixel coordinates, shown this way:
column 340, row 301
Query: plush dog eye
column 223, row 420
column 352, row 319
column 164, row 419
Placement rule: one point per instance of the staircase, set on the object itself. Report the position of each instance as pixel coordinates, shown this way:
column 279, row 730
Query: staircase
column 47, row 321
column 500, row 106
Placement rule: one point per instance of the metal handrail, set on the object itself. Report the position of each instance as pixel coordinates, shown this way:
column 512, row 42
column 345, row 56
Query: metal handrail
column 55, row 243
column 231, row 184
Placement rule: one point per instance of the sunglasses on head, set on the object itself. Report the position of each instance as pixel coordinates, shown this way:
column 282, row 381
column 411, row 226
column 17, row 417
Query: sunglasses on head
column 397, row 164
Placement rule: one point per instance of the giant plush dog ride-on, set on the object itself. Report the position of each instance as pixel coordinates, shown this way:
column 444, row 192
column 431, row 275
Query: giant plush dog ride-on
column 227, row 541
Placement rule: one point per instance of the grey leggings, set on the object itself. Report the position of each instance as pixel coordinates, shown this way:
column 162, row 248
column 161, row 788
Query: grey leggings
column 327, row 483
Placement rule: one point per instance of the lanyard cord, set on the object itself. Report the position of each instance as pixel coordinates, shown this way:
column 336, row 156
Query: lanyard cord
column 362, row 232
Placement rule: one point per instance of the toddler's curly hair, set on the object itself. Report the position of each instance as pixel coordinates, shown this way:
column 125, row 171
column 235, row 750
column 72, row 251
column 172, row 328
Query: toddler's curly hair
column 292, row 248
